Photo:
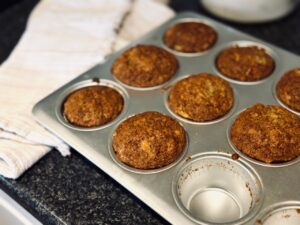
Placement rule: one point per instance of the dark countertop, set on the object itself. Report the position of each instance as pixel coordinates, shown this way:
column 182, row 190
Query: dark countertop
column 71, row 190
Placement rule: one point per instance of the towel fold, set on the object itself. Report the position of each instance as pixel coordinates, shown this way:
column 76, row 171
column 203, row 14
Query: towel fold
column 62, row 40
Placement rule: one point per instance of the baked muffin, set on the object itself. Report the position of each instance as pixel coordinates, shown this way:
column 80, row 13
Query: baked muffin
column 267, row 133
column 149, row 140
column 288, row 89
column 93, row 106
column 201, row 97
column 145, row 66
column 190, row 37
column 245, row 63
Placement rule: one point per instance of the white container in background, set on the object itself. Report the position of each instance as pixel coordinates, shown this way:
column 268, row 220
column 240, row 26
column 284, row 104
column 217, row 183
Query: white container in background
column 250, row 11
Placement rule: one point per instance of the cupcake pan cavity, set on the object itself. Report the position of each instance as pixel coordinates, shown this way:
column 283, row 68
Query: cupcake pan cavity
column 248, row 158
column 143, row 171
column 89, row 83
column 133, row 88
column 287, row 213
column 279, row 100
column 124, row 67
column 185, row 20
column 244, row 43
column 214, row 188
column 207, row 142
column 185, row 120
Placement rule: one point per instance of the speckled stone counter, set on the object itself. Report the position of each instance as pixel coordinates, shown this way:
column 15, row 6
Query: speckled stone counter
column 71, row 190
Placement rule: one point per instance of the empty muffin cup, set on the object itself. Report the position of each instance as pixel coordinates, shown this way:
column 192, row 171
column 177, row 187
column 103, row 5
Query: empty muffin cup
column 213, row 188
column 287, row 213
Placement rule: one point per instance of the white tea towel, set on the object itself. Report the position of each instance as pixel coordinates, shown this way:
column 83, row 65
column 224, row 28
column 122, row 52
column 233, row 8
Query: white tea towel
column 62, row 40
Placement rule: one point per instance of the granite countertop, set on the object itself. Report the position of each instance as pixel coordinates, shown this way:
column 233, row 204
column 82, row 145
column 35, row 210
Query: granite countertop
column 71, row 190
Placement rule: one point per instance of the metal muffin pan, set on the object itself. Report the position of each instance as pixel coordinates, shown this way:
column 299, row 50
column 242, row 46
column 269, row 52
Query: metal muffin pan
column 277, row 184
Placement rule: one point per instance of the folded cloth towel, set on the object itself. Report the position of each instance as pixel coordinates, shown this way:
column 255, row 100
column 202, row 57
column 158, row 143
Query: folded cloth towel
column 62, row 40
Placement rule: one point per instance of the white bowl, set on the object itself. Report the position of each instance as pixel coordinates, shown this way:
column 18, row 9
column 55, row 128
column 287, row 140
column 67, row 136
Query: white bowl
column 249, row 11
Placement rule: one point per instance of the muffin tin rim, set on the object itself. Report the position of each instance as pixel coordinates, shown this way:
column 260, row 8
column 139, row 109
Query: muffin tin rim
column 248, row 158
column 227, row 156
column 90, row 83
column 145, row 171
column 187, row 121
column 152, row 88
column 246, row 43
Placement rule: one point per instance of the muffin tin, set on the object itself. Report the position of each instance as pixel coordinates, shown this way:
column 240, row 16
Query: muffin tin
column 211, row 176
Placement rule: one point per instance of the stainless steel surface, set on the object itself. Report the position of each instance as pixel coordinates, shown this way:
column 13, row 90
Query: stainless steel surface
column 11, row 213
column 281, row 183
column 213, row 188
column 284, row 213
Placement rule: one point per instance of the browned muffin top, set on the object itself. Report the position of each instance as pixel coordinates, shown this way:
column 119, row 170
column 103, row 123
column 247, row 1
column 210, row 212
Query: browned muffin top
column 245, row 63
column 93, row 106
column 149, row 140
column 267, row 133
column 288, row 89
column 190, row 37
column 144, row 66
column 201, row 97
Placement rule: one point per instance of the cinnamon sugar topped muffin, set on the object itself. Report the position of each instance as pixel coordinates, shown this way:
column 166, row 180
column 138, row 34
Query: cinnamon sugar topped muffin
column 145, row 66
column 267, row 133
column 250, row 63
column 201, row 97
column 288, row 89
column 93, row 106
column 190, row 37
column 149, row 140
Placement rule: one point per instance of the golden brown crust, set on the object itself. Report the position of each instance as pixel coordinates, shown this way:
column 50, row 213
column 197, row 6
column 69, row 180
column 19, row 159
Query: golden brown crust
column 201, row 97
column 190, row 37
column 245, row 63
column 288, row 89
column 145, row 66
column 267, row 133
column 149, row 140
column 93, row 106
